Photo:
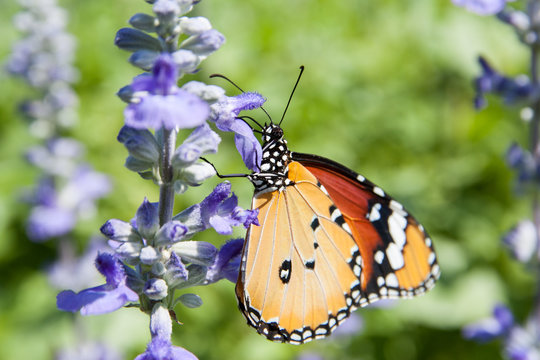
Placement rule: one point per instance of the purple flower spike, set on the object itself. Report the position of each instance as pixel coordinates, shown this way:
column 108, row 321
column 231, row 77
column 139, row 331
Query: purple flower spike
column 222, row 212
column 490, row 328
column 482, row 7
column 162, row 104
column 225, row 113
column 104, row 298
column 227, row 262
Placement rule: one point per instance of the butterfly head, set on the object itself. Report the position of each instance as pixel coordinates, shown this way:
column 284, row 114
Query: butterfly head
column 272, row 133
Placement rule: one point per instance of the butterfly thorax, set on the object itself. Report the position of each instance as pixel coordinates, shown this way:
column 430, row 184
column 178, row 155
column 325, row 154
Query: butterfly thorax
column 272, row 174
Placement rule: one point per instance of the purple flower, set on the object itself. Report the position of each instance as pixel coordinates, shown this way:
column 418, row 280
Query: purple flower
column 160, row 348
column 222, row 212
column 219, row 211
column 104, row 298
column 176, row 271
column 227, row 262
column 490, row 328
column 200, row 142
column 76, row 273
column 350, row 327
column 225, row 114
column 522, row 240
column 205, row 43
column 521, row 343
column 161, row 103
column 147, row 219
column 88, row 351
column 510, row 89
column 46, row 222
column 482, row 7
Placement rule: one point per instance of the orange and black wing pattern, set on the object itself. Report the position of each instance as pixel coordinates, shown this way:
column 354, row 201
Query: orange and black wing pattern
column 397, row 253
column 300, row 269
column 329, row 241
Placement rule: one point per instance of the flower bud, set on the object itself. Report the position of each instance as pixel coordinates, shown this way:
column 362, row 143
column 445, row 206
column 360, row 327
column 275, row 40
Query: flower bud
column 133, row 40
column 194, row 25
column 143, row 22
column 156, row 289
column 144, row 59
column 196, row 252
column 205, row 43
column 170, row 233
column 147, row 219
column 149, row 255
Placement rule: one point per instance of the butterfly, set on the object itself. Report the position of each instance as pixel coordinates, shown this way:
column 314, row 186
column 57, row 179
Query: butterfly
column 329, row 241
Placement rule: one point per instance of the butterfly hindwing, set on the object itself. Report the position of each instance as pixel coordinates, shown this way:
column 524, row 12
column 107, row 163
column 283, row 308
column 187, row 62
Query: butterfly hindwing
column 297, row 280
column 397, row 254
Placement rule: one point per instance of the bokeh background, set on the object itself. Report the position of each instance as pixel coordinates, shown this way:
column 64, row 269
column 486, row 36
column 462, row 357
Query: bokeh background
column 387, row 91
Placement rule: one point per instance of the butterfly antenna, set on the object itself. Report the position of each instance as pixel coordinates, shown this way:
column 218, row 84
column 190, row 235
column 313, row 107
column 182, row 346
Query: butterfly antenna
column 292, row 93
column 244, row 117
column 239, row 88
column 226, row 78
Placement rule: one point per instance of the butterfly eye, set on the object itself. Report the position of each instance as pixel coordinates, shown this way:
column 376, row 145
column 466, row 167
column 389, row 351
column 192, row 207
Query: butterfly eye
column 277, row 133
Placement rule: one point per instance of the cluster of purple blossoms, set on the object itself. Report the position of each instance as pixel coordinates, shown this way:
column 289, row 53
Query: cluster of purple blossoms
column 43, row 58
column 520, row 342
column 66, row 192
column 155, row 253
column 67, row 188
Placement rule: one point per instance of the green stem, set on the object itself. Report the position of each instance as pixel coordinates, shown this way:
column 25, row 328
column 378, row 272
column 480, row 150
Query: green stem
column 166, row 191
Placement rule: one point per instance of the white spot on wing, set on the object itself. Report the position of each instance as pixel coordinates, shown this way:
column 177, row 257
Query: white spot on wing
column 395, row 257
column 379, row 257
column 391, row 280
column 396, row 224
column 374, row 214
column 360, row 178
column 431, row 258
column 377, row 190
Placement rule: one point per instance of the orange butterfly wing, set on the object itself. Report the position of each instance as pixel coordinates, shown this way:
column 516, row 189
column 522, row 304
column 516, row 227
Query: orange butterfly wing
column 300, row 270
column 397, row 253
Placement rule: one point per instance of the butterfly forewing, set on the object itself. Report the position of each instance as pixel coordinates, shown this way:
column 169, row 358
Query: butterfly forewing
column 397, row 254
column 297, row 280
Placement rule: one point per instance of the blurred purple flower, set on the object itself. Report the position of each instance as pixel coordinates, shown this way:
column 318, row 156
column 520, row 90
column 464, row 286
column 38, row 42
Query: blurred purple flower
column 490, row 328
column 482, row 7
column 510, row 89
column 56, row 209
column 227, row 262
column 88, row 351
column 161, row 103
column 308, row 355
column 522, row 240
column 76, row 273
column 350, row 327
column 521, row 344
column 225, row 115
column 47, row 219
column 104, row 298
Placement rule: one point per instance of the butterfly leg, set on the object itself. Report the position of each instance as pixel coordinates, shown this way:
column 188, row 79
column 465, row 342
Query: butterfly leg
column 223, row 176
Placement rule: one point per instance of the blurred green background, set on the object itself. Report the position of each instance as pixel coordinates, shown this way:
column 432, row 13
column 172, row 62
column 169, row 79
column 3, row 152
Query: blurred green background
column 387, row 91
